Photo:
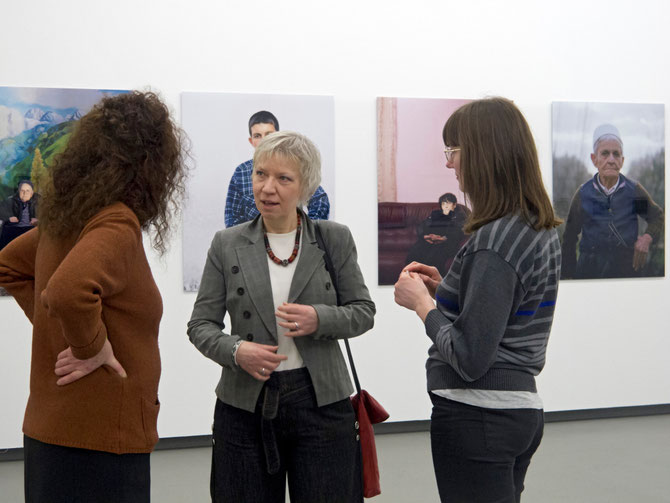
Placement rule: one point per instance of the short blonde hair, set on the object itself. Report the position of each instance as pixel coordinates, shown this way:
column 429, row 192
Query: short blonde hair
column 299, row 149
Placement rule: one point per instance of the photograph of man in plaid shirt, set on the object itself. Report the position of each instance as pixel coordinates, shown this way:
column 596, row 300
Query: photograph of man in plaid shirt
column 240, row 205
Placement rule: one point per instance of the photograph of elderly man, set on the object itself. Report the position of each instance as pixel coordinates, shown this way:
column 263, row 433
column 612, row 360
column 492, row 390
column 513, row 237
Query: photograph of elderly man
column 22, row 210
column 614, row 221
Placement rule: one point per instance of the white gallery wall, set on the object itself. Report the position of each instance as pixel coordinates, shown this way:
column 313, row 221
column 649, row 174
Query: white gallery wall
column 610, row 344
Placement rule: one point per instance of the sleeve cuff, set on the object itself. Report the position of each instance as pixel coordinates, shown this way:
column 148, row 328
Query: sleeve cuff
column 435, row 320
column 327, row 327
column 233, row 353
column 92, row 349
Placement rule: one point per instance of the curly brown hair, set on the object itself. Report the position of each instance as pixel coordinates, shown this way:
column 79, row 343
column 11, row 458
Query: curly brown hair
column 126, row 149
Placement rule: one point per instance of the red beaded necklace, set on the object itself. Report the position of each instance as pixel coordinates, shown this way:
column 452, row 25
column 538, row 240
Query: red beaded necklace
column 296, row 247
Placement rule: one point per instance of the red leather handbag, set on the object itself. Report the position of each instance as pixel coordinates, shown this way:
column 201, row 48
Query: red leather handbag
column 368, row 410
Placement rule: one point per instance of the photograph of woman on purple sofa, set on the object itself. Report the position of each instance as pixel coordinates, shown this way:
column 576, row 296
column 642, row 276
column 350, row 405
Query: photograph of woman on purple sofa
column 412, row 182
column 440, row 235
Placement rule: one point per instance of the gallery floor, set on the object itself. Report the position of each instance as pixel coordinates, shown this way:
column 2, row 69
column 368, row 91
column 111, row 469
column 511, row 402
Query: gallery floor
column 596, row 461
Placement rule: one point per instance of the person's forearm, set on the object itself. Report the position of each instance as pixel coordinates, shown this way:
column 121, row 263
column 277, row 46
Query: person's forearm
column 212, row 342
column 655, row 222
column 346, row 321
column 424, row 307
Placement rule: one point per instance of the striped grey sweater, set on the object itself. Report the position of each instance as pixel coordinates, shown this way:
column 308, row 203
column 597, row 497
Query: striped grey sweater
column 494, row 310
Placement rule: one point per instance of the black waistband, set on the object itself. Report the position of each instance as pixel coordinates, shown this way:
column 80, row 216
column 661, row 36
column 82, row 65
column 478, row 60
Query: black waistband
column 280, row 389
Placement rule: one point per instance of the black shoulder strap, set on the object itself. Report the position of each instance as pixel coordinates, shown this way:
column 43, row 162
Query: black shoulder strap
column 333, row 277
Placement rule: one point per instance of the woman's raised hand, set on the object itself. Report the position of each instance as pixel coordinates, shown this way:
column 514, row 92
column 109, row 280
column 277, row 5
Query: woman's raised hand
column 428, row 274
column 412, row 293
column 299, row 319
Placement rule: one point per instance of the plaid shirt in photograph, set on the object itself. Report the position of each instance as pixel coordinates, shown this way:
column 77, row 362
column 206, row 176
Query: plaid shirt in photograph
column 241, row 207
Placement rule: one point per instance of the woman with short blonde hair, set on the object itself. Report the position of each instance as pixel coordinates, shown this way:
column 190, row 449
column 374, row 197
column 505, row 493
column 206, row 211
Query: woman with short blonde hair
column 282, row 408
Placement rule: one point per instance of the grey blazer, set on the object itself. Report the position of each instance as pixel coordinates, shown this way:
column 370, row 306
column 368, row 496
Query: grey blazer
column 236, row 279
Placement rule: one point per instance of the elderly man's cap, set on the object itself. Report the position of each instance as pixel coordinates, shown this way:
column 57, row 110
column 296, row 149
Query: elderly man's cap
column 606, row 130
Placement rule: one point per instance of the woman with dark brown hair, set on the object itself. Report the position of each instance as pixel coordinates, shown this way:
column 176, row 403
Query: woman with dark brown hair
column 83, row 280
column 494, row 310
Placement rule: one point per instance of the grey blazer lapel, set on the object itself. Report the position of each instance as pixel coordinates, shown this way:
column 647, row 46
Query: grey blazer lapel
column 254, row 265
column 310, row 259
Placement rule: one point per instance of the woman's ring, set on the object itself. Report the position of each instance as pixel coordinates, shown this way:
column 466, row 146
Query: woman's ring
column 297, row 327
column 263, row 371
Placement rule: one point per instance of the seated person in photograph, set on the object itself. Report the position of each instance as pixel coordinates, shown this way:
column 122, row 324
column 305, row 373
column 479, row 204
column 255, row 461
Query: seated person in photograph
column 439, row 237
column 6, row 209
column 23, row 206
column 605, row 212
column 240, row 205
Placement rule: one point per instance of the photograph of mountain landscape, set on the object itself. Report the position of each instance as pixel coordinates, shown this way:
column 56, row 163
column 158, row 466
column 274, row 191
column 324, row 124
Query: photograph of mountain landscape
column 35, row 125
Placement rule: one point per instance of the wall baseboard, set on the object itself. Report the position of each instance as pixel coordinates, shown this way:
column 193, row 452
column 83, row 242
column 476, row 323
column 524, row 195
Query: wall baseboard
column 412, row 426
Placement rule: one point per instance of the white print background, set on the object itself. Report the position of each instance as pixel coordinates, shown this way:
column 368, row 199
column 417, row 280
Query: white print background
column 642, row 129
column 217, row 125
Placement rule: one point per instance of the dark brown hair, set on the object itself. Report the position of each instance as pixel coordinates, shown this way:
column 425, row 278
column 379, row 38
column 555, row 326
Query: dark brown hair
column 126, row 149
column 499, row 168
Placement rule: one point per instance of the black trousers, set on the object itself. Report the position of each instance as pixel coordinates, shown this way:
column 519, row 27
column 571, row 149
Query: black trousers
column 288, row 436
column 9, row 232
column 57, row 474
column 606, row 263
column 482, row 455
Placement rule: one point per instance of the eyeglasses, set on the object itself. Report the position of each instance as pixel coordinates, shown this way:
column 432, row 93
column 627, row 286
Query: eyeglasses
column 449, row 152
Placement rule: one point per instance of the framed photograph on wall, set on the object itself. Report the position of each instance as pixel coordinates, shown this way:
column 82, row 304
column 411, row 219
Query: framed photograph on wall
column 609, row 187
column 35, row 126
column 224, row 129
column 421, row 210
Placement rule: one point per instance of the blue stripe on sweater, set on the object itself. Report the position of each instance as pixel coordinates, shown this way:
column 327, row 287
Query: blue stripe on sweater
column 448, row 304
column 531, row 313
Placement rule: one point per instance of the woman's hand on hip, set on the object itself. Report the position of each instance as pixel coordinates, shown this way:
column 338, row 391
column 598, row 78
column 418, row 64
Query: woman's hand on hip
column 299, row 319
column 71, row 369
column 258, row 360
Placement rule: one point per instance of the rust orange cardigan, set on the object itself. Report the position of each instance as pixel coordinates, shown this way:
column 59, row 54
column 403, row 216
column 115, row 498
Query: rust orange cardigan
column 77, row 293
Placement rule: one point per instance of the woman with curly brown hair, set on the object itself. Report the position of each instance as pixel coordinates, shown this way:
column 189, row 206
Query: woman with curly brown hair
column 83, row 280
